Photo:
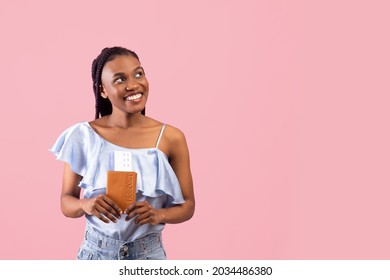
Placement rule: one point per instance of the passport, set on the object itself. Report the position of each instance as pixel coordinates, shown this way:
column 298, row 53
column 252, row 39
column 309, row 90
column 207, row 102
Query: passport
column 121, row 187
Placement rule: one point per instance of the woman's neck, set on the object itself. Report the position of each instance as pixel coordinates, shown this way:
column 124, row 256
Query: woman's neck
column 125, row 120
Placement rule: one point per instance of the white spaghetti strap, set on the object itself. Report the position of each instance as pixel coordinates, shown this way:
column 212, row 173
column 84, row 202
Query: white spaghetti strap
column 161, row 133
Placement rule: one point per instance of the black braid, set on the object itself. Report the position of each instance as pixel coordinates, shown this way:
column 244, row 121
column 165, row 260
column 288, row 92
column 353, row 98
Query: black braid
column 103, row 106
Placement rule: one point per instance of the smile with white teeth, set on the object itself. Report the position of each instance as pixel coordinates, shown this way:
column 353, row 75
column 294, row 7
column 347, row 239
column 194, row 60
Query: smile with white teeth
column 133, row 97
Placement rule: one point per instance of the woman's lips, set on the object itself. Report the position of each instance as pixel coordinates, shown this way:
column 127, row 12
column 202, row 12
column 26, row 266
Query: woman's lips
column 133, row 97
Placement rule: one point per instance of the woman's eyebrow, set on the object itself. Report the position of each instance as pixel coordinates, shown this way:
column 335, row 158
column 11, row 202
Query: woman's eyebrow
column 119, row 74
column 124, row 74
column 139, row 67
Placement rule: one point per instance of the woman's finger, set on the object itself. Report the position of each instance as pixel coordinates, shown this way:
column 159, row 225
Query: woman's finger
column 106, row 212
column 130, row 208
column 110, row 206
column 148, row 220
column 137, row 209
column 143, row 216
column 100, row 216
column 113, row 206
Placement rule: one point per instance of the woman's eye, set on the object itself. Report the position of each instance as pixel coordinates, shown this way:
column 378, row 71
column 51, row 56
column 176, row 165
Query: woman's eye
column 138, row 75
column 119, row 81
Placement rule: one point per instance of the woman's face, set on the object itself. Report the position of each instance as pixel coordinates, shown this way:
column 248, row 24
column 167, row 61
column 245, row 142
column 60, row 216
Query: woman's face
column 124, row 84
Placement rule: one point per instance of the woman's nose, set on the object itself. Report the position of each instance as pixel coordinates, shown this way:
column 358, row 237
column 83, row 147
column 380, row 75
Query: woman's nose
column 131, row 84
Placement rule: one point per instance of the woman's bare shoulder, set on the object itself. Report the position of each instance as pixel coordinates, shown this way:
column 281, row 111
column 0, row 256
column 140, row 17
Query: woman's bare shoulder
column 99, row 123
column 174, row 134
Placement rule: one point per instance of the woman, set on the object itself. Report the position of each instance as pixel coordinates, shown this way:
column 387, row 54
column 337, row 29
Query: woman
column 158, row 153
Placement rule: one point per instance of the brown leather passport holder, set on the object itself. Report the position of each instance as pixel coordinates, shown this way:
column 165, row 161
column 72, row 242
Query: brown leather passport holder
column 121, row 187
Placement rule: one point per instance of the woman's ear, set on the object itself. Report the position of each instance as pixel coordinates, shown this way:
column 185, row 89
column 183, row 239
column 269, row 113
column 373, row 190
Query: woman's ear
column 103, row 92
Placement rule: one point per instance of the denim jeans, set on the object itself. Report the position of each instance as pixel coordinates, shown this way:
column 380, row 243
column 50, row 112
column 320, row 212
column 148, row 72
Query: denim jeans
column 98, row 247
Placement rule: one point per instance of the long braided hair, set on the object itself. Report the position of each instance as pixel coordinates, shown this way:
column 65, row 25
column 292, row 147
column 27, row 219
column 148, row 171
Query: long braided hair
column 103, row 106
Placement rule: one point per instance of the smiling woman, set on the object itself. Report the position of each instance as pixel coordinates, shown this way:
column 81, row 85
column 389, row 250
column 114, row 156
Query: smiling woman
column 103, row 106
column 123, row 80
column 156, row 152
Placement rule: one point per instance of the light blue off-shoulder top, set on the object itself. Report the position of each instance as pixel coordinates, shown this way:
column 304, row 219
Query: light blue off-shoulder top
column 89, row 155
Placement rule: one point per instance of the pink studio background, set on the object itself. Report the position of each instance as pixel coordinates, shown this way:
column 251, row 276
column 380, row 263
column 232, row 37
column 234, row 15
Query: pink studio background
column 284, row 105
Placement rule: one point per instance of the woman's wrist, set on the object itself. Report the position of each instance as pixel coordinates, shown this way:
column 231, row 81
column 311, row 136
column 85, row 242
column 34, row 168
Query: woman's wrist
column 162, row 216
column 82, row 205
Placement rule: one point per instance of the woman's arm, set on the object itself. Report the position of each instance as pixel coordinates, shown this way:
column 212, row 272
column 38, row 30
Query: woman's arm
column 70, row 194
column 180, row 161
column 72, row 206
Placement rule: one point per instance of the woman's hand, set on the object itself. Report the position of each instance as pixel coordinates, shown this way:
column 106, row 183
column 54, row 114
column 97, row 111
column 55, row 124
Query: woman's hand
column 102, row 207
column 145, row 214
